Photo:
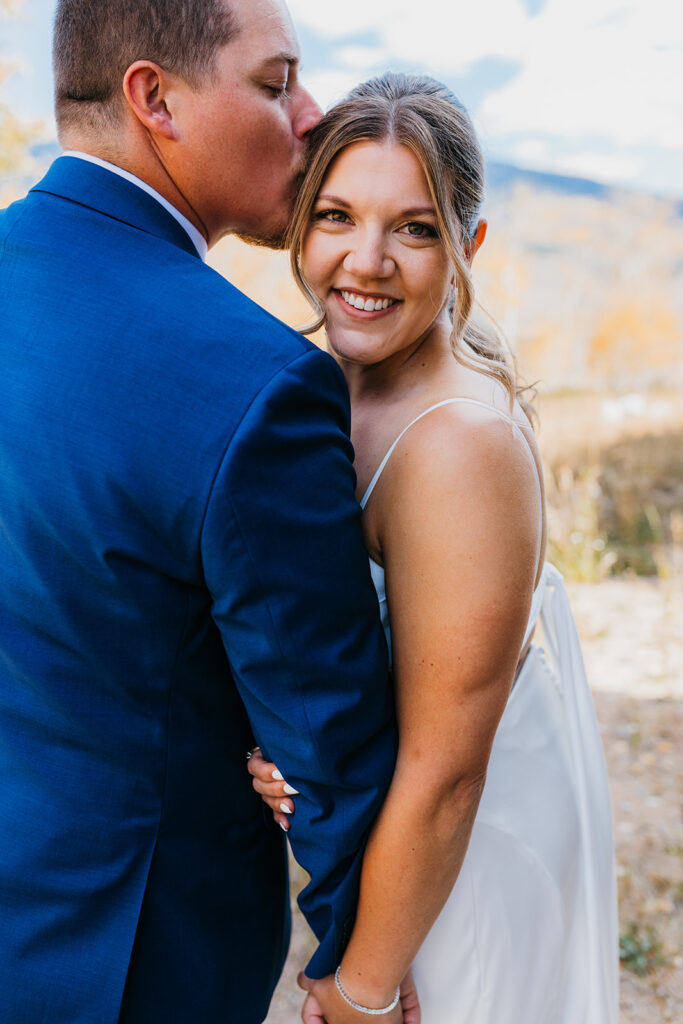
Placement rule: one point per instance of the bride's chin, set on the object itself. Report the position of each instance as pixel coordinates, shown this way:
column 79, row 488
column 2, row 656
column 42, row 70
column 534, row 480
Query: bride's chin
column 349, row 353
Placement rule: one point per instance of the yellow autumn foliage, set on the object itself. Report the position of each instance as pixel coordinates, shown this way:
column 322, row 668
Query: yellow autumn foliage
column 15, row 135
column 636, row 333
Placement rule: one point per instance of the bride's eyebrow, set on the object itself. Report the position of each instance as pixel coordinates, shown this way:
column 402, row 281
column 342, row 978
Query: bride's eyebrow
column 326, row 198
column 419, row 211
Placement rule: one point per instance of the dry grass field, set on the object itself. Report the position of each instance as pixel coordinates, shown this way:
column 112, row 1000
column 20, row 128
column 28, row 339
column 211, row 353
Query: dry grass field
column 614, row 479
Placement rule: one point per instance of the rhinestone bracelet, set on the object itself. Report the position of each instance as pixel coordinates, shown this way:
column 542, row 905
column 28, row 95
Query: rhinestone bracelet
column 364, row 1009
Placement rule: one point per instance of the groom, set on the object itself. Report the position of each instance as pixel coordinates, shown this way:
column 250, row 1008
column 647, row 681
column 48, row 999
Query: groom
column 183, row 573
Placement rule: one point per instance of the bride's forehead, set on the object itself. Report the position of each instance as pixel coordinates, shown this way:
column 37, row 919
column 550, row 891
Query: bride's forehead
column 370, row 166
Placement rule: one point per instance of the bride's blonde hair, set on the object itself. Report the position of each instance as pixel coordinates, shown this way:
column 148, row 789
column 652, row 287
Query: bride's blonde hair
column 423, row 115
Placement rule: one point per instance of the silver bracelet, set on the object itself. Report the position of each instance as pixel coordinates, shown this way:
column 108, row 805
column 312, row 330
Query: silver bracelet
column 364, row 1009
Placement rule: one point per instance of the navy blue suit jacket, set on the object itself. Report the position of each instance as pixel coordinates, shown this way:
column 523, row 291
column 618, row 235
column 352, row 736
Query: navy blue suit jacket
column 182, row 574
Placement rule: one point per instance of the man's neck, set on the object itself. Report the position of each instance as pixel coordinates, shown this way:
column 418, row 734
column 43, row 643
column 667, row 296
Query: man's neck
column 142, row 162
column 196, row 236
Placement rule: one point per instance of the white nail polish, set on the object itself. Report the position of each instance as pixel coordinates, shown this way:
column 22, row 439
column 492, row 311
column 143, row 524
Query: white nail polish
column 285, row 809
column 290, row 791
column 285, row 828
column 277, row 775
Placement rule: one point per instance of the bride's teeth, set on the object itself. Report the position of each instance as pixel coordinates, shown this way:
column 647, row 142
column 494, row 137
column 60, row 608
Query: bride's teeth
column 367, row 305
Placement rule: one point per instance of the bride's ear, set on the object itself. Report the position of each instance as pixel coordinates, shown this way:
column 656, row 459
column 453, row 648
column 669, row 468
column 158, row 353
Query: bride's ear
column 476, row 241
column 145, row 87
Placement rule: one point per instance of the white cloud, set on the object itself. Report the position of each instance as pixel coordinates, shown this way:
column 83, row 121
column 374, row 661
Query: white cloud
column 608, row 167
column 608, row 69
column 596, row 76
column 330, row 86
column 426, row 33
column 531, row 152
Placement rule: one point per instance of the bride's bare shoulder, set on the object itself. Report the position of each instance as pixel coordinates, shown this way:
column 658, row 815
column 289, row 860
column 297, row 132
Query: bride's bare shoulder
column 464, row 435
column 462, row 493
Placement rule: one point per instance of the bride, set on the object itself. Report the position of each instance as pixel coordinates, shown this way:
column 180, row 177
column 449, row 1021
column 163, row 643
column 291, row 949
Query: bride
column 490, row 866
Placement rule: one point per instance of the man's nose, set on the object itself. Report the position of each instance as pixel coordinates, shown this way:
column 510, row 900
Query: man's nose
column 307, row 116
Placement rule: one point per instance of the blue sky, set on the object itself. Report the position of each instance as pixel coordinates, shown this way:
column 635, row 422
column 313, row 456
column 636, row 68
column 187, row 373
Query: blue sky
column 584, row 87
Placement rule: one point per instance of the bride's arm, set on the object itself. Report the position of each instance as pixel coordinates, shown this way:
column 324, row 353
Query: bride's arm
column 459, row 536
column 459, row 541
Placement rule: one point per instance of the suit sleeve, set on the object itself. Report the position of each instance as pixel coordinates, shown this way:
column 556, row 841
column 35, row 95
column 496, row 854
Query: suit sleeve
column 292, row 595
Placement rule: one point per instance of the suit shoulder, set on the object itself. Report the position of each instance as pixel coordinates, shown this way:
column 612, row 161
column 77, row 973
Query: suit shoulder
column 9, row 217
column 233, row 309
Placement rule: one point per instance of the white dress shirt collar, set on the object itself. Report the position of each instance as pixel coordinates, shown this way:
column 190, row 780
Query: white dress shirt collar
column 196, row 236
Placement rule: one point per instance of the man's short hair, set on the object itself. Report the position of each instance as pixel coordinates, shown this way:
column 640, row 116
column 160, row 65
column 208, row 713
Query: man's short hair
column 96, row 41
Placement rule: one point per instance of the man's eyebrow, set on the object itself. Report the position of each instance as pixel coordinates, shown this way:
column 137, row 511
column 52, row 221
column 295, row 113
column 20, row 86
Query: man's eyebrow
column 282, row 58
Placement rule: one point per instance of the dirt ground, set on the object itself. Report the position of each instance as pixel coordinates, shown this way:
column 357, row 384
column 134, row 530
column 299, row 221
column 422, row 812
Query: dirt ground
column 632, row 633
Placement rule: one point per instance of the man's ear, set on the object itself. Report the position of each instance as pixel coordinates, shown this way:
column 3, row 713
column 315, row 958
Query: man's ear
column 144, row 86
column 476, row 241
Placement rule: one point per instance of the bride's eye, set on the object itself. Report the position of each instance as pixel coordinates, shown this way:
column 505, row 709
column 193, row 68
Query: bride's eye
column 416, row 229
column 334, row 216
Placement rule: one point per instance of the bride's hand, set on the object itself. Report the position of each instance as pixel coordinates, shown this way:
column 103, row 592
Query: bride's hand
column 410, row 1004
column 273, row 789
column 324, row 1005
column 311, row 1012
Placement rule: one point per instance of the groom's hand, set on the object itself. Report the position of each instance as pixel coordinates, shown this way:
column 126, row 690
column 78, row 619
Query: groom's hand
column 324, row 1005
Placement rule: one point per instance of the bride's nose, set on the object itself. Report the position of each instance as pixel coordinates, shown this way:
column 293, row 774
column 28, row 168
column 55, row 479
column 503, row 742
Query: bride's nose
column 368, row 257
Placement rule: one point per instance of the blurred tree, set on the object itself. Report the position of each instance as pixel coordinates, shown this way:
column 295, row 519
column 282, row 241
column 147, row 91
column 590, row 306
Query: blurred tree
column 14, row 135
column 635, row 334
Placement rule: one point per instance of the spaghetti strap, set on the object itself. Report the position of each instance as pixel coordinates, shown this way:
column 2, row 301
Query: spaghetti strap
column 452, row 401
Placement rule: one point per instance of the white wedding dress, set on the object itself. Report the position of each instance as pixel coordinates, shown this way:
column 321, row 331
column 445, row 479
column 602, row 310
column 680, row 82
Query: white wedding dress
column 529, row 933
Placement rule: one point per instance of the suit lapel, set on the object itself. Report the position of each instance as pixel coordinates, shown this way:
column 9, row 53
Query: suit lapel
column 100, row 189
